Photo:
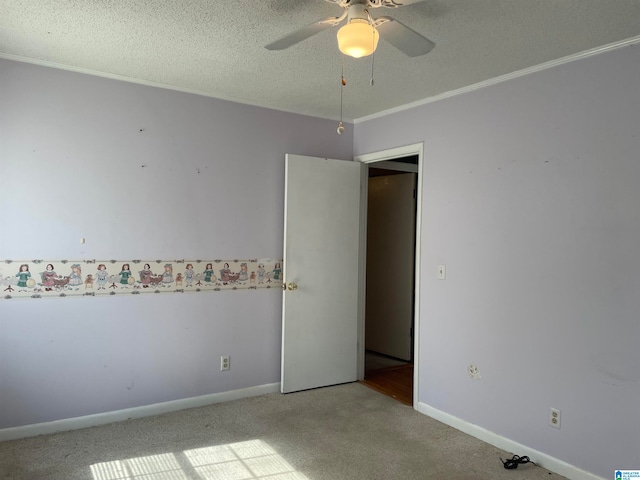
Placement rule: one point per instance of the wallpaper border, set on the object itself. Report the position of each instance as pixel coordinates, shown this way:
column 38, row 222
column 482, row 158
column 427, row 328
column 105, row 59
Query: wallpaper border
column 82, row 278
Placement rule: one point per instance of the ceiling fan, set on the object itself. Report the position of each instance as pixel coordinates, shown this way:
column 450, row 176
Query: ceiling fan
column 359, row 36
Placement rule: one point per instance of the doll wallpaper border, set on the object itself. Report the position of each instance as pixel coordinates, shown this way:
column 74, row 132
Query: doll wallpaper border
column 67, row 278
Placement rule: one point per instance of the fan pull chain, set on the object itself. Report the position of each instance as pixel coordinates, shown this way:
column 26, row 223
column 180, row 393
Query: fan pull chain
column 343, row 83
column 371, row 82
column 373, row 45
column 373, row 54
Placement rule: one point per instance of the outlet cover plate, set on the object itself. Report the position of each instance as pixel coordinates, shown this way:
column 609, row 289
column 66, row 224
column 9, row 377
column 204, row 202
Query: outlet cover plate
column 554, row 417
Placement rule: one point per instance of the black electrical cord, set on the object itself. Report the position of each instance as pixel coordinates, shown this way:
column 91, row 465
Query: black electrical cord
column 514, row 461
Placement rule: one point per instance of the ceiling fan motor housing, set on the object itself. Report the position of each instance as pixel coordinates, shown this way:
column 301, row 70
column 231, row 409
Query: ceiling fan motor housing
column 358, row 11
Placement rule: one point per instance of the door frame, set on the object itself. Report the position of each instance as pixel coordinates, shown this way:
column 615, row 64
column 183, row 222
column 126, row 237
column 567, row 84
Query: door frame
column 367, row 160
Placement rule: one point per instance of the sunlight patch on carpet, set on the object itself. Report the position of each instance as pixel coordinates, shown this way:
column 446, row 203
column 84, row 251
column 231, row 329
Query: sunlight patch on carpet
column 253, row 459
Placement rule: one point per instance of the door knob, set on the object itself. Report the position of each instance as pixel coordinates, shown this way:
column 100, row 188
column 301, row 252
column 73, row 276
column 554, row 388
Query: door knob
column 292, row 286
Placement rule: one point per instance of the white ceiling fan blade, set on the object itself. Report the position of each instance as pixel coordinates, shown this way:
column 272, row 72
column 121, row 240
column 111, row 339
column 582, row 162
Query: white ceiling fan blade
column 402, row 37
column 392, row 3
column 305, row 32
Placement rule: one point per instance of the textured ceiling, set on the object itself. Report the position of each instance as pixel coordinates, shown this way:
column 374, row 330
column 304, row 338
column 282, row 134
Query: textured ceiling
column 216, row 47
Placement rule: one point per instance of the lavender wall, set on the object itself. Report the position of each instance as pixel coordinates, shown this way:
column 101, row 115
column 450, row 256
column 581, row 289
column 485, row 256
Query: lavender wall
column 140, row 172
column 531, row 200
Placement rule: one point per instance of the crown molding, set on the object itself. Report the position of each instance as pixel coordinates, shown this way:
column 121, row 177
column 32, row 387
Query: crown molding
column 503, row 78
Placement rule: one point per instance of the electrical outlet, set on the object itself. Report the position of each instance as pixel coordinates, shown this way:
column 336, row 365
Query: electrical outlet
column 225, row 363
column 554, row 418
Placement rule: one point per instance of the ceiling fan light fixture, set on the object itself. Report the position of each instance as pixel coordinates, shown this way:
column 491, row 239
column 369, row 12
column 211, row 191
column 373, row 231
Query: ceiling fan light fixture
column 358, row 38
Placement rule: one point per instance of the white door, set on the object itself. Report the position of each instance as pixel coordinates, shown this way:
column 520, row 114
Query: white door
column 321, row 271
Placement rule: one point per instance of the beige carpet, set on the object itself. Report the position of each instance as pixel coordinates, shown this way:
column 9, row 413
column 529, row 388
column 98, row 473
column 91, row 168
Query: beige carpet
column 342, row 432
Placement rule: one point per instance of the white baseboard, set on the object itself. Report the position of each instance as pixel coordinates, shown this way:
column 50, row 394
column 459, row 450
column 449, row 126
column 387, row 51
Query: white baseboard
column 544, row 460
column 76, row 423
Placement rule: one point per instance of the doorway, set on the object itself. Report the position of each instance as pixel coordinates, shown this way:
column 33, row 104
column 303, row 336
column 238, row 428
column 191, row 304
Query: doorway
column 390, row 322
